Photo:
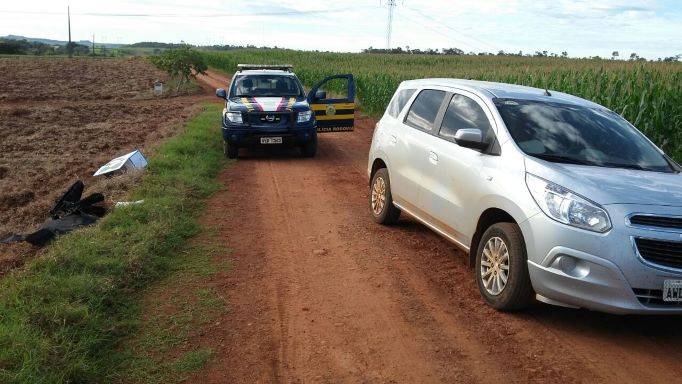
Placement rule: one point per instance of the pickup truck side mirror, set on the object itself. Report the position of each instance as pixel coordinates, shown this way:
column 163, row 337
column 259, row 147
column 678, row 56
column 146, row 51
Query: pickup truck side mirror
column 320, row 95
column 221, row 93
column 470, row 138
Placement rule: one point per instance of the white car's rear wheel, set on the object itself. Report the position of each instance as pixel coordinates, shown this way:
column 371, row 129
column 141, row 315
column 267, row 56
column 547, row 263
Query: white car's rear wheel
column 380, row 199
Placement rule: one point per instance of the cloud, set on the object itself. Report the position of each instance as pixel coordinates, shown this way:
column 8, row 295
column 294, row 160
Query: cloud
column 579, row 26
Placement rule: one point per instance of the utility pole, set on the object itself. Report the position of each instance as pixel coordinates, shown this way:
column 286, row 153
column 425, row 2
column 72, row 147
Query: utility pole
column 69, row 48
column 389, row 28
column 93, row 44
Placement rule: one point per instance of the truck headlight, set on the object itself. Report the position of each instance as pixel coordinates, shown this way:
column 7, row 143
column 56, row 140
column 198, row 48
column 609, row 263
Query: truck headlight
column 566, row 207
column 234, row 117
column 304, row 116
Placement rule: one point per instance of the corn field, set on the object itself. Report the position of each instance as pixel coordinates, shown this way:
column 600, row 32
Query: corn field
column 647, row 94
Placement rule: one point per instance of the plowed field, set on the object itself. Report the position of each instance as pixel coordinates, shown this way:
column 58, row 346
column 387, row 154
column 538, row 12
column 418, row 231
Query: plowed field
column 60, row 119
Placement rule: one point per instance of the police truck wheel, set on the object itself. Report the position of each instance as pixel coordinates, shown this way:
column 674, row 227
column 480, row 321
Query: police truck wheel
column 309, row 149
column 380, row 199
column 231, row 151
column 502, row 268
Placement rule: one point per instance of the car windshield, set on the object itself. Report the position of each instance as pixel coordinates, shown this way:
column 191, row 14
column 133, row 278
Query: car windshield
column 567, row 133
column 265, row 86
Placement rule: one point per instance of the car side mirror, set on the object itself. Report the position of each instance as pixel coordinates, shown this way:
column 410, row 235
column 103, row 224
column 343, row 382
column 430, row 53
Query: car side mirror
column 221, row 93
column 320, row 95
column 470, row 138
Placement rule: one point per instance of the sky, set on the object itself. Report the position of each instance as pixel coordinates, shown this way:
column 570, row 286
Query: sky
column 649, row 28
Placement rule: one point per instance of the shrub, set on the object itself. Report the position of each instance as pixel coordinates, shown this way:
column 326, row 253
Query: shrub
column 181, row 64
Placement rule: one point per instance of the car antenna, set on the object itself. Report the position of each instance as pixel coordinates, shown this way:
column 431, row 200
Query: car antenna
column 547, row 93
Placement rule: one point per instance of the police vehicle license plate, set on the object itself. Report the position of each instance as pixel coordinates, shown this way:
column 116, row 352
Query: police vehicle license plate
column 271, row 140
column 672, row 290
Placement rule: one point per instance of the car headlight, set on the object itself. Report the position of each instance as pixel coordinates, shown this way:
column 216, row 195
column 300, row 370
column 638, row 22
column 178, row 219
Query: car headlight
column 566, row 207
column 234, row 117
column 304, row 116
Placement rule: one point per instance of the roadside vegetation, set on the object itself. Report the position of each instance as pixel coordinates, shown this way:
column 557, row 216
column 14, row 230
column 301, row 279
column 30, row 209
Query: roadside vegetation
column 68, row 315
column 177, row 309
column 648, row 94
column 36, row 48
column 182, row 64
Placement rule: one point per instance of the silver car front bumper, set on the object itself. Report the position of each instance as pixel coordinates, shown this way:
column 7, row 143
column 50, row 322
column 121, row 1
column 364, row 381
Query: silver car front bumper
column 602, row 272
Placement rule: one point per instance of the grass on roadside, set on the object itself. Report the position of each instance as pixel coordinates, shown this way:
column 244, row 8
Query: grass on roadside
column 176, row 310
column 63, row 316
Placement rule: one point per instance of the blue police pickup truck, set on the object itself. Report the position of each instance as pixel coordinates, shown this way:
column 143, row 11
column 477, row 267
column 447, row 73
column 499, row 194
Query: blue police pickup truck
column 266, row 105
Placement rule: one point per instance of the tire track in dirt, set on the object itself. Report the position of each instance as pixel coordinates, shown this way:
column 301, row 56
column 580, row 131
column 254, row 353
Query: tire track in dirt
column 319, row 293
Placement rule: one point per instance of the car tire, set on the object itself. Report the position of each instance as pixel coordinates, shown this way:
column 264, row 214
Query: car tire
column 380, row 199
column 231, row 151
column 502, row 255
column 309, row 149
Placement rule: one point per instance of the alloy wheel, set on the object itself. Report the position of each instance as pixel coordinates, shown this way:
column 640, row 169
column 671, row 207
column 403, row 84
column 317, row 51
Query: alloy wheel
column 378, row 195
column 495, row 266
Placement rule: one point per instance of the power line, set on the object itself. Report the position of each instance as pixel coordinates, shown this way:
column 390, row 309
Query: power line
column 449, row 37
column 202, row 15
column 450, row 28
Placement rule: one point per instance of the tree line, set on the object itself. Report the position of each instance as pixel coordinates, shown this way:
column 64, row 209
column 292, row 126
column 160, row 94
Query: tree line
column 458, row 52
column 25, row 47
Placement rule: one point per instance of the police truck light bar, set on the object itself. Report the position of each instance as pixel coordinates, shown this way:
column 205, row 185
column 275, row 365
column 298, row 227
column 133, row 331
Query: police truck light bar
column 276, row 67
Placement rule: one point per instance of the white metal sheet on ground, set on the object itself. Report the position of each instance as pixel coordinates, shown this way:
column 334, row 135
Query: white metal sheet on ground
column 133, row 159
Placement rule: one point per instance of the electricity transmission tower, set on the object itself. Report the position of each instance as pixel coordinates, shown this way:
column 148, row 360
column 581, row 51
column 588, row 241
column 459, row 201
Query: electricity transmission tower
column 389, row 28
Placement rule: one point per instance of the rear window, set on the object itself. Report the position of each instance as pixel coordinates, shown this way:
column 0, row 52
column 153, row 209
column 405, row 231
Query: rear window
column 399, row 101
column 424, row 110
column 265, row 86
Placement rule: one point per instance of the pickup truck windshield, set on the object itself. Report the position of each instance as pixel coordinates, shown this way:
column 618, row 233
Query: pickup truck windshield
column 266, row 86
column 567, row 133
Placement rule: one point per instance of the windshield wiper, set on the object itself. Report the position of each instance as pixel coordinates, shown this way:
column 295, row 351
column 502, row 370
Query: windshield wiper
column 561, row 159
column 629, row 166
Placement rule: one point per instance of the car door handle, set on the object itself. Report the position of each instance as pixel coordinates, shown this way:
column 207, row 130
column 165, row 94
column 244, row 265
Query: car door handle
column 393, row 139
column 433, row 158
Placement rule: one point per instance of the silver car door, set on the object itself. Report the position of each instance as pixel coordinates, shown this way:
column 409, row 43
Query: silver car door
column 410, row 155
column 454, row 177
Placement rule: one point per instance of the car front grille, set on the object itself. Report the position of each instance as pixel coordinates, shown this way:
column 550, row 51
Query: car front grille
column 657, row 221
column 270, row 119
column 665, row 253
column 654, row 297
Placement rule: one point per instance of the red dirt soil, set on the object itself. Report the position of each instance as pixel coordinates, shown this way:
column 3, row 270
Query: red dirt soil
column 60, row 120
column 320, row 293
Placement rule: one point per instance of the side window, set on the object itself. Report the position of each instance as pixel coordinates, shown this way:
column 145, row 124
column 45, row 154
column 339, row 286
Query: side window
column 399, row 100
column 423, row 112
column 464, row 112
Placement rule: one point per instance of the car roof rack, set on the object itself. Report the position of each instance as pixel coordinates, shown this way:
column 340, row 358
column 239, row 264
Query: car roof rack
column 275, row 67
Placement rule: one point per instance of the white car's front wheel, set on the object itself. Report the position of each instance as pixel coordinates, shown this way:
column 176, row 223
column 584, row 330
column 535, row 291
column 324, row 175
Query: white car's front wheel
column 501, row 268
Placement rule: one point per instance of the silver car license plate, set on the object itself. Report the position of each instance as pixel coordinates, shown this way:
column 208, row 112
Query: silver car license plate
column 271, row 140
column 672, row 290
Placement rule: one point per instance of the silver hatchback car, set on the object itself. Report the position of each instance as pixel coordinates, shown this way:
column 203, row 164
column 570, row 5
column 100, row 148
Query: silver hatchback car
column 554, row 197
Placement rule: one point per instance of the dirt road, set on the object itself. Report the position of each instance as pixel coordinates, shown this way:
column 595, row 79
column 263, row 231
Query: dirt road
column 319, row 293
